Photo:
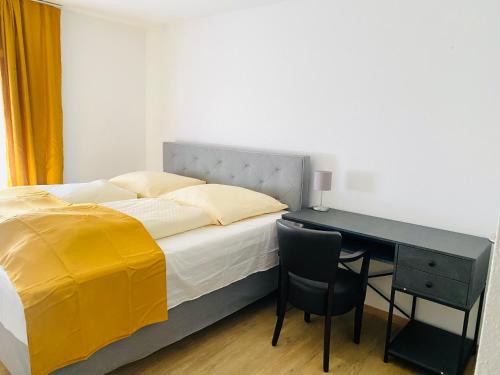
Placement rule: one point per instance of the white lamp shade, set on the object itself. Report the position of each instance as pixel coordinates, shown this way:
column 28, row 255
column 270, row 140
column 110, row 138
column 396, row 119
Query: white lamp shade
column 322, row 180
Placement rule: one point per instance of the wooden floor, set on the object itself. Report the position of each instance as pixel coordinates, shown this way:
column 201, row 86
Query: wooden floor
column 241, row 345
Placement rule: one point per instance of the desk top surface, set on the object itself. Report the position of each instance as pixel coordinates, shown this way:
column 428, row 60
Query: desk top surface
column 457, row 244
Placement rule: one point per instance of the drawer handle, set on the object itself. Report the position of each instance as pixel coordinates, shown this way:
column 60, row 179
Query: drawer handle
column 428, row 284
column 432, row 263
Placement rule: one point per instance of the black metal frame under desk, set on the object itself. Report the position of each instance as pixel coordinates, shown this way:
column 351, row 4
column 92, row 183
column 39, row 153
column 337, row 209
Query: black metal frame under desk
column 445, row 267
column 430, row 347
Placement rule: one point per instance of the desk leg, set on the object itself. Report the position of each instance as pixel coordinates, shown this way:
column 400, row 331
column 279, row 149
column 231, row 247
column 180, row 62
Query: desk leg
column 478, row 322
column 413, row 307
column 389, row 326
column 460, row 366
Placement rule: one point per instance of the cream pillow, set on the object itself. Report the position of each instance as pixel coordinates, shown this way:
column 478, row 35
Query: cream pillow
column 149, row 184
column 89, row 192
column 226, row 204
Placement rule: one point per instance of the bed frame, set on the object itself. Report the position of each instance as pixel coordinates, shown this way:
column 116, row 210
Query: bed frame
column 280, row 175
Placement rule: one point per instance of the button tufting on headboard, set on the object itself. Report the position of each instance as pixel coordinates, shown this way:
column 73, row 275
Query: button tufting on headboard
column 282, row 176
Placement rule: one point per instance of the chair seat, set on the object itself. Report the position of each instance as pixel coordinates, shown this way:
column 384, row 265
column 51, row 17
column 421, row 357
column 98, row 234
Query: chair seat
column 311, row 296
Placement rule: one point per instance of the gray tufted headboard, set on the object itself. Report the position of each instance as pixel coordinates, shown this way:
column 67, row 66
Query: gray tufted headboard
column 281, row 176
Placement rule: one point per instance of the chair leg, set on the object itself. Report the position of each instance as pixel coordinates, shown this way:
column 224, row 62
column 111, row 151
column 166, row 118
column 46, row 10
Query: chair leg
column 307, row 317
column 326, row 348
column 281, row 317
column 277, row 328
column 358, row 321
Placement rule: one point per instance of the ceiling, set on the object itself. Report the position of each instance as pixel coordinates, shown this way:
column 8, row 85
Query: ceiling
column 160, row 11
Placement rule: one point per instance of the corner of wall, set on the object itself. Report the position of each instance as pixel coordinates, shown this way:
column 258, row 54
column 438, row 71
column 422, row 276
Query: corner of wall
column 488, row 360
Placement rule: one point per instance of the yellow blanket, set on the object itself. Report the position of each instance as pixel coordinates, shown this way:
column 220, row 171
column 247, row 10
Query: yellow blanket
column 87, row 275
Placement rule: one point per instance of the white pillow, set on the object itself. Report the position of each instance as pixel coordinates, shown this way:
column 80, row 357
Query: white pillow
column 152, row 184
column 98, row 191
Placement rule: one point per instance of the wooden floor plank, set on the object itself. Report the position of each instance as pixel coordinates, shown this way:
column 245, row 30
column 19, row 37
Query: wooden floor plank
column 241, row 345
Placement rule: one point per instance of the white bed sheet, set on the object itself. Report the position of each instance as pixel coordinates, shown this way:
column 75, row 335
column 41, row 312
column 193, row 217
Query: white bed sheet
column 198, row 262
column 209, row 258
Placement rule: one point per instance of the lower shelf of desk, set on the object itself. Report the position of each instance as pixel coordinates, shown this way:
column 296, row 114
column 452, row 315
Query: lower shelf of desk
column 430, row 347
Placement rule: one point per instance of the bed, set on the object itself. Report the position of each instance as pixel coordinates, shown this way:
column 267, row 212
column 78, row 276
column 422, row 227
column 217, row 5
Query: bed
column 213, row 271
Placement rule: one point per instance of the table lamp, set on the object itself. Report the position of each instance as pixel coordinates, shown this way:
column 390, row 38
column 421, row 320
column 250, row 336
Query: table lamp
column 322, row 182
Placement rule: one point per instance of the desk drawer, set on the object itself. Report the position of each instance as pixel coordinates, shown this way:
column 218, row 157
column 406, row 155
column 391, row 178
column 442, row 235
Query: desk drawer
column 434, row 263
column 432, row 286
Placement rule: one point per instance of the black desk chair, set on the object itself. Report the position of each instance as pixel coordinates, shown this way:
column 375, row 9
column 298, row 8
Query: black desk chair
column 311, row 280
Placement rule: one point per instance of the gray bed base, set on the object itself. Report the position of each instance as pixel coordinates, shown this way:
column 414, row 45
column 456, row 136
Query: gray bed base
column 184, row 320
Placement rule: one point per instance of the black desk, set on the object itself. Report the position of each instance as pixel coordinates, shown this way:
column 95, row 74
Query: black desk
column 441, row 266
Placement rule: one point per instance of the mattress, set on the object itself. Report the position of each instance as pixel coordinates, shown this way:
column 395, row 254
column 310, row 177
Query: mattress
column 198, row 262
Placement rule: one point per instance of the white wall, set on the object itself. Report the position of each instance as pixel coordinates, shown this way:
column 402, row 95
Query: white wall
column 401, row 99
column 104, row 96
column 488, row 360
column 156, row 99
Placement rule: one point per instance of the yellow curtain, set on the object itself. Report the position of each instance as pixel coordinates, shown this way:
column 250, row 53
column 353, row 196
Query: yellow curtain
column 30, row 68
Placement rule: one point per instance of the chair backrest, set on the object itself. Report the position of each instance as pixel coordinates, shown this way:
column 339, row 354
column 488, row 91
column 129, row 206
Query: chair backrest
column 308, row 253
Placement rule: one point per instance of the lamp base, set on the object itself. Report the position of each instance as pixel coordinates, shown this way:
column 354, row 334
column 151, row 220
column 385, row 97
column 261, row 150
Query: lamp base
column 320, row 208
